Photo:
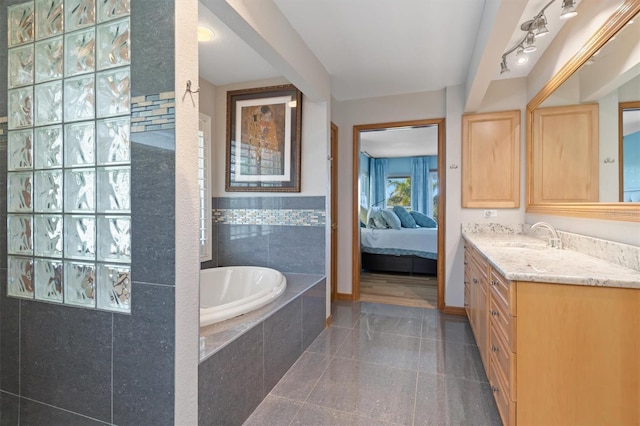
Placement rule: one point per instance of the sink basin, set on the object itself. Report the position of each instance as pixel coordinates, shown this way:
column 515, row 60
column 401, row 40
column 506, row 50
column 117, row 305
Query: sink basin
column 519, row 244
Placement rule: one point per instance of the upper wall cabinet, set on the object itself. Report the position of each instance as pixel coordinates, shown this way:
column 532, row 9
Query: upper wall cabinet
column 565, row 154
column 491, row 160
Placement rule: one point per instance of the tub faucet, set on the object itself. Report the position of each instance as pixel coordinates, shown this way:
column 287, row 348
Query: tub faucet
column 554, row 241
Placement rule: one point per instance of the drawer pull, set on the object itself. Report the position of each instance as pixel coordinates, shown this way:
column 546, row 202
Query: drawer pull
column 475, row 281
column 494, row 282
column 495, row 389
column 495, row 313
column 495, row 348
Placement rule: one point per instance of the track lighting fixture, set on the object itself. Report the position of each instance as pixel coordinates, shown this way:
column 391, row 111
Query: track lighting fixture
column 534, row 28
column 503, row 65
column 568, row 9
column 528, row 43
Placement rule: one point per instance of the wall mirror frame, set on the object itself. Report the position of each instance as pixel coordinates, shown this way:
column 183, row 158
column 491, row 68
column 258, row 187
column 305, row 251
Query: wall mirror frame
column 629, row 212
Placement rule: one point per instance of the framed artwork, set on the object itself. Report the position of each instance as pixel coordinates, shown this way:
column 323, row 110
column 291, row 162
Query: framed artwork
column 263, row 139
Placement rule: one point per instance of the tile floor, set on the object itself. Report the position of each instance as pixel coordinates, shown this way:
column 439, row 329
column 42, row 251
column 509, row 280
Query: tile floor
column 384, row 365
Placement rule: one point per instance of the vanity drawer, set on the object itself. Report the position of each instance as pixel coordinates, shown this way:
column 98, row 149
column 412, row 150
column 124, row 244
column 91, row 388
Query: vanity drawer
column 506, row 407
column 505, row 291
column 481, row 265
column 502, row 320
column 504, row 359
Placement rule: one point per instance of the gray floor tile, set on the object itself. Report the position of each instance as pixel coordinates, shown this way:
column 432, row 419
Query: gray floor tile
column 368, row 390
column 381, row 348
column 396, row 324
column 273, row 411
column 452, row 359
column 452, row 328
column 329, row 341
column 312, row 415
column 443, row 400
column 345, row 314
column 391, row 310
column 298, row 382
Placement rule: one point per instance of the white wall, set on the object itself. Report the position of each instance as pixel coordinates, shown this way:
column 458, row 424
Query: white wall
column 315, row 136
column 449, row 103
column 187, row 322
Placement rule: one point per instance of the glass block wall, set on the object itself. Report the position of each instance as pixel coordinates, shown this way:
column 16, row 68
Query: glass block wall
column 68, row 185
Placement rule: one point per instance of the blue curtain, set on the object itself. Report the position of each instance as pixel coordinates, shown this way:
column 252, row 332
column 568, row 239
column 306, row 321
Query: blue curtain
column 378, row 175
column 421, row 184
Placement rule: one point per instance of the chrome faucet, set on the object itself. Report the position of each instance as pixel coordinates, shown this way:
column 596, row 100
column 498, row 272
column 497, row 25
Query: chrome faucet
column 554, row 241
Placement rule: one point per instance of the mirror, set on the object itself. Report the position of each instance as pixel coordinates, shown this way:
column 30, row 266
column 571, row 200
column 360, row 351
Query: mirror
column 604, row 76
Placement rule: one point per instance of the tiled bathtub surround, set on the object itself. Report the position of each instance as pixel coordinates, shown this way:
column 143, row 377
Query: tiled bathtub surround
column 243, row 358
column 284, row 233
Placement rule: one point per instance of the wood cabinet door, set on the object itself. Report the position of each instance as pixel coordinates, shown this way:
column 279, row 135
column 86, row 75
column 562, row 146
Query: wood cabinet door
column 491, row 160
column 564, row 155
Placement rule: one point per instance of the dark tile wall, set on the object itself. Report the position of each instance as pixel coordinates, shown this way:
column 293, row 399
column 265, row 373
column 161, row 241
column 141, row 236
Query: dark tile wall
column 61, row 365
column 288, row 246
column 233, row 381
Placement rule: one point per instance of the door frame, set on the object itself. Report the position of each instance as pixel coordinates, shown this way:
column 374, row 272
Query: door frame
column 355, row 261
column 334, row 212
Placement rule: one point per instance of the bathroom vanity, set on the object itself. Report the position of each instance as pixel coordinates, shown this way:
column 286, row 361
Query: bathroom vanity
column 558, row 330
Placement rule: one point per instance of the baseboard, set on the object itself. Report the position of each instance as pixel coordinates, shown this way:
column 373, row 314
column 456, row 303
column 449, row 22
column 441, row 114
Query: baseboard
column 454, row 310
column 328, row 321
column 344, row 296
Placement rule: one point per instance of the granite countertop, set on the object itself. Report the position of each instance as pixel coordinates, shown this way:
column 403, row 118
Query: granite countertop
column 521, row 257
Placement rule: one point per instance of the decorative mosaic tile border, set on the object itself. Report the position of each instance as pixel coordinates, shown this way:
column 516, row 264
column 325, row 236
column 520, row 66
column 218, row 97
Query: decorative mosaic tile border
column 282, row 217
column 4, row 125
column 153, row 112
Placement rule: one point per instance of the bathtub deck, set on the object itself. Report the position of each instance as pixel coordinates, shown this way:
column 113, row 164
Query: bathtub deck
column 216, row 336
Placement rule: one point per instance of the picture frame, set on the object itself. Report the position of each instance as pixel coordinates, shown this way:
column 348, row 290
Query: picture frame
column 263, row 139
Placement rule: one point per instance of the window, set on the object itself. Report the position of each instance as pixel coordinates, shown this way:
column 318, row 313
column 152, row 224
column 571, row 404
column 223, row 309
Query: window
column 399, row 191
column 204, row 186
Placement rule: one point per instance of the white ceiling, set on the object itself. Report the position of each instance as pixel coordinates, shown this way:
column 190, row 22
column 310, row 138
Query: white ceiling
column 371, row 49
column 400, row 142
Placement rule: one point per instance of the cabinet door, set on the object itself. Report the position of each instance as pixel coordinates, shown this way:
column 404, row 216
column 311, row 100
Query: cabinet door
column 491, row 160
column 482, row 323
column 565, row 155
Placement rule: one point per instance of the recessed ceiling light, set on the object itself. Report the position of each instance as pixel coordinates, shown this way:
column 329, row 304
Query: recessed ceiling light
column 205, row 34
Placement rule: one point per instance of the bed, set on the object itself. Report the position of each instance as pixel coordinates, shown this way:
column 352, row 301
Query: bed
column 407, row 250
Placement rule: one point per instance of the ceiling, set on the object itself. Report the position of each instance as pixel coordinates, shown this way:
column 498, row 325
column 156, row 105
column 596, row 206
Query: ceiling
column 400, row 142
column 371, row 49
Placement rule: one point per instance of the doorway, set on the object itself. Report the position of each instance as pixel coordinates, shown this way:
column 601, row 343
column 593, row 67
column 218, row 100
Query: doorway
column 392, row 263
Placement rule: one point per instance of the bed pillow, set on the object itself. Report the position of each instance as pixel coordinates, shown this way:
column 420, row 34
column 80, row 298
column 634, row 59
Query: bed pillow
column 363, row 214
column 423, row 220
column 406, row 220
column 375, row 219
column 392, row 219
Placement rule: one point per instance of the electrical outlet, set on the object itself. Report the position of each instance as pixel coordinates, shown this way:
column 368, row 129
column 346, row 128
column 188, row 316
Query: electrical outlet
column 491, row 213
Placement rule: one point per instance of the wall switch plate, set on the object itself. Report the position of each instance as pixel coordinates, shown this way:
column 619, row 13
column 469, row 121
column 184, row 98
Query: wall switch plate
column 491, row 213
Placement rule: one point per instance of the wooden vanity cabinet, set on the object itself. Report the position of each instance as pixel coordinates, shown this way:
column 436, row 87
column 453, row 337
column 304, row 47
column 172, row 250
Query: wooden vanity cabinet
column 557, row 354
column 477, row 271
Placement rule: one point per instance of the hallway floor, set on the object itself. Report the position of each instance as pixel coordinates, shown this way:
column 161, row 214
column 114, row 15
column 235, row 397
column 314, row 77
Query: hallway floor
column 384, row 364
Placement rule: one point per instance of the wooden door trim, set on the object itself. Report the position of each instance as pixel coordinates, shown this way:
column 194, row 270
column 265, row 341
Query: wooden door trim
column 355, row 237
column 334, row 212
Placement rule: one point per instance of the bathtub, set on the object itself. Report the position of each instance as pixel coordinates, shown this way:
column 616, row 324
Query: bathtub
column 230, row 291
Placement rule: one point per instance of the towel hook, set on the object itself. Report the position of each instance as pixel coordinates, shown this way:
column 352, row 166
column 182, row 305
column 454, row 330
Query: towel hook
column 189, row 88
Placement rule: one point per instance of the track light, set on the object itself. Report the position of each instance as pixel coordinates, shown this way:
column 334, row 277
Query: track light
column 534, row 28
column 521, row 57
column 541, row 26
column 568, row 9
column 503, row 65
column 528, row 43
